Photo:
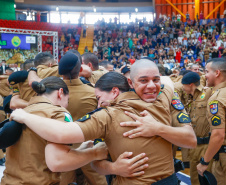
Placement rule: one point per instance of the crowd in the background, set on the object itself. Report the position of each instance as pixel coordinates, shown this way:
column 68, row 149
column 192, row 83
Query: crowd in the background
column 171, row 42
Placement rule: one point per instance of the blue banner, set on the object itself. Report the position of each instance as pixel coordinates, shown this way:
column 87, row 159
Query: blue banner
column 15, row 41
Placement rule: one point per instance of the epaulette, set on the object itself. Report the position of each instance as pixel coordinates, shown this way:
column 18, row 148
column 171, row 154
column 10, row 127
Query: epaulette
column 85, row 81
column 88, row 115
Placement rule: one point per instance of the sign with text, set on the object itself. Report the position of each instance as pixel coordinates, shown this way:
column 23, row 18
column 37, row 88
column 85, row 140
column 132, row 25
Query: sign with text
column 15, row 41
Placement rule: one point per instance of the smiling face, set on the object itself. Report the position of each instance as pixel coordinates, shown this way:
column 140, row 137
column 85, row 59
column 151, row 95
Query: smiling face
column 147, row 83
column 103, row 97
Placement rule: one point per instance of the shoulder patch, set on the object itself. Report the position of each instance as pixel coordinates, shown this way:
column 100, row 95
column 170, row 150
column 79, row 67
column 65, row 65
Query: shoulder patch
column 183, row 118
column 216, row 120
column 213, row 107
column 88, row 115
column 176, row 103
column 68, row 117
column 98, row 140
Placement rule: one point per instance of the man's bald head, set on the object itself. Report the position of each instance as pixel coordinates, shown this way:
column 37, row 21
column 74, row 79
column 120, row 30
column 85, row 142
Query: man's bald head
column 139, row 65
column 145, row 80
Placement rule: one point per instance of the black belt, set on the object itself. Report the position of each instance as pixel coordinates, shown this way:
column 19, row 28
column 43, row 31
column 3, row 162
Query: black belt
column 203, row 140
column 171, row 180
column 222, row 149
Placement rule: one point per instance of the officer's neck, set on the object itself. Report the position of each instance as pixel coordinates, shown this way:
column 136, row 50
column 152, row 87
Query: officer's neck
column 219, row 80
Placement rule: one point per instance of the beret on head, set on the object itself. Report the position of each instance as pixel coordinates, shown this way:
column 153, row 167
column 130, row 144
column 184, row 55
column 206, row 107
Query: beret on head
column 125, row 70
column 189, row 78
column 17, row 77
column 67, row 63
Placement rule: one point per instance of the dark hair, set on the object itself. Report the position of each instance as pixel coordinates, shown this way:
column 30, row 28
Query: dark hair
column 91, row 58
column 218, row 64
column 50, row 84
column 27, row 64
column 43, row 58
column 112, row 79
column 105, row 63
column 197, row 83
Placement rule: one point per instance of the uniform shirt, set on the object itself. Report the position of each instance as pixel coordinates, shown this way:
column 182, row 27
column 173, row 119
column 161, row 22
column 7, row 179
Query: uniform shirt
column 5, row 88
column 25, row 91
column 2, row 113
column 105, row 124
column 26, row 158
column 82, row 98
column 197, row 111
column 95, row 76
column 216, row 109
column 178, row 88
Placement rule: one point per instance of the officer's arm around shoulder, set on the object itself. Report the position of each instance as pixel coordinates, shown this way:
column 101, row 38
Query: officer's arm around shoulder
column 16, row 102
column 32, row 76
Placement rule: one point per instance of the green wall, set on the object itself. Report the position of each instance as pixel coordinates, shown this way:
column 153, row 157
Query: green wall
column 7, row 10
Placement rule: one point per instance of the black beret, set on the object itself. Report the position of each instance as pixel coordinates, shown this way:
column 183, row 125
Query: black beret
column 6, row 104
column 207, row 179
column 189, row 78
column 125, row 69
column 17, row 77
column 67, row 63
column 10, row 132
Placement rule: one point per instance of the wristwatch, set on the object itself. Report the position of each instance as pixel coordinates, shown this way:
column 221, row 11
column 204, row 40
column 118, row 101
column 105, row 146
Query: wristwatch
column 202, row 161
column 32, row 69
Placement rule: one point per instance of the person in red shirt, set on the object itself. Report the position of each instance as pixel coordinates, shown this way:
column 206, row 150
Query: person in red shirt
column 132, row 60
column 178, row 55
column 114, row 34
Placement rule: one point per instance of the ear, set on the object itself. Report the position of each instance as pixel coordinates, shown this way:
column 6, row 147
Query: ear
column 60, row 93
column 130, row 83
column 90, row 65
column 115, row 91
column 218, row 73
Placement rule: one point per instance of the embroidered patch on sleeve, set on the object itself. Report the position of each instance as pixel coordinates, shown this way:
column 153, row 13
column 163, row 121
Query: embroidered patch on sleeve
column 183, row 118
column 213, row 107
column 216, row 120
column 176, row 103
column 98, row 140
column 68, row 117
column 15, row 90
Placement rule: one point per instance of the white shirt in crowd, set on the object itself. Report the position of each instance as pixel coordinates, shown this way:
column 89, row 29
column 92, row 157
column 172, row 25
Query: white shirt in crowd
column 190, row 52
